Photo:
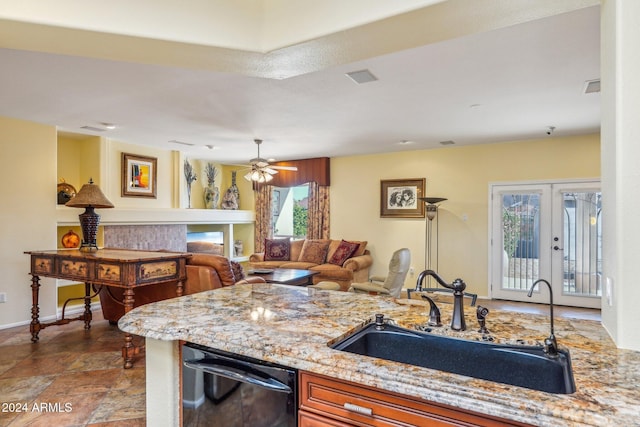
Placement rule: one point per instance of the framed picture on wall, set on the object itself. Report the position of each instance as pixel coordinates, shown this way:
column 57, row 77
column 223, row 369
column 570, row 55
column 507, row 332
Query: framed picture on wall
column 399, row 198
column 139, row 176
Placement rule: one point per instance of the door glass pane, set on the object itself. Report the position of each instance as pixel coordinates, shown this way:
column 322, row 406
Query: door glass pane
column 520, row 240
column 582, row 244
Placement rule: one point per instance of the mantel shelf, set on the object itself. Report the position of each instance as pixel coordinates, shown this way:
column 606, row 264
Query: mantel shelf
column 69, row 216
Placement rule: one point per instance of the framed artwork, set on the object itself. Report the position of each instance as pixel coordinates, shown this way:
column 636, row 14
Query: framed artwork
column 399, row 198
column 139, row 176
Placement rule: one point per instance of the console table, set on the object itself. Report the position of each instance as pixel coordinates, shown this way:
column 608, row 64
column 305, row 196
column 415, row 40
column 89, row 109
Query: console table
column 121, row 268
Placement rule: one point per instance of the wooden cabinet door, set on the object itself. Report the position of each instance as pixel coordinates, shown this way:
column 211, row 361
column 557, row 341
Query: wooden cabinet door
column 309, row 419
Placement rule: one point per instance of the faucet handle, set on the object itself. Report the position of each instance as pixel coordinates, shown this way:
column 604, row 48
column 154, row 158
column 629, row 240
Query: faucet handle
column 481, row 315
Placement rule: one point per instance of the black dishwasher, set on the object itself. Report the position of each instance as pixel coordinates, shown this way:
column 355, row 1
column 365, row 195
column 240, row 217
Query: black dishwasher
column 228, row 390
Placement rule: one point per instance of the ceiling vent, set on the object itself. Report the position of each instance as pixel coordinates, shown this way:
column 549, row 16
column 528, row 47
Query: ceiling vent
column 449, row 142
column 362, row 76
column 592, row 86
column 175, row 141
column 93, row 128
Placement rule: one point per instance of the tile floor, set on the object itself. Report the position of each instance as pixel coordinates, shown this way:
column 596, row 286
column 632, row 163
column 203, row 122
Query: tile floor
column 74, row 377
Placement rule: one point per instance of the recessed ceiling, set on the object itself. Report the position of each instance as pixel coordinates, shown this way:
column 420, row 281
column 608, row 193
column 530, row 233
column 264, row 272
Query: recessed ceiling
column 518, row 80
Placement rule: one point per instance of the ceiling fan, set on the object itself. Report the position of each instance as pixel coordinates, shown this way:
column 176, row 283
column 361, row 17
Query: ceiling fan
column 261, row 170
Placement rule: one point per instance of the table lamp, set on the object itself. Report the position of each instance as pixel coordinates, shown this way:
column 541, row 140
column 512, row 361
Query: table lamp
column 89, row 197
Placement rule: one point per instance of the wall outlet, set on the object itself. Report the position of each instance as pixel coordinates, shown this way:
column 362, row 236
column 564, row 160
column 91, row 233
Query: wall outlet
column 411, row 271
column 3, row 297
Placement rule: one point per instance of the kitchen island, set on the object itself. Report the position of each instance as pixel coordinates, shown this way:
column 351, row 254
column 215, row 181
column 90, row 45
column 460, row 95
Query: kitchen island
column 292, row 326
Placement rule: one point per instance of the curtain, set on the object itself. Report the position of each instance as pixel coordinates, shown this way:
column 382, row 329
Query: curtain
column 314, row 171
column 318, row 223
column 263, row 217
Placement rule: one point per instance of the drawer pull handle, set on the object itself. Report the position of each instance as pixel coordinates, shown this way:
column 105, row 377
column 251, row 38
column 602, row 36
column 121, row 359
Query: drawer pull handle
column 359, row 409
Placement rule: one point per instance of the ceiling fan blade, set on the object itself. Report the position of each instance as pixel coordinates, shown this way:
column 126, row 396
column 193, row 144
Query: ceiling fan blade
column 269, row 170
column 284, row 168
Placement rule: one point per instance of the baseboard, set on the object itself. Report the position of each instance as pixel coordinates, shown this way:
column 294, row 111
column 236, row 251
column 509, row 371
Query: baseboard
column 71, row 311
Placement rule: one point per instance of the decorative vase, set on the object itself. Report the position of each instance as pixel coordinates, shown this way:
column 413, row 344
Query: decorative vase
column 188, row 196
column 238, row 247
column 231, row 199
column 211, row 197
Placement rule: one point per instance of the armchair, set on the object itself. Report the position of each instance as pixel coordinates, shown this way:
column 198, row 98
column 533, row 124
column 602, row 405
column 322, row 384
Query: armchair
column 391, row 284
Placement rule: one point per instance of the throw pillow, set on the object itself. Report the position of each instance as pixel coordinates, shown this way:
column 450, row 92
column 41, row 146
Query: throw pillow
column 314, row 251
column 344, row 251
column 277, row 249
column 238, row 271
column 361, row 248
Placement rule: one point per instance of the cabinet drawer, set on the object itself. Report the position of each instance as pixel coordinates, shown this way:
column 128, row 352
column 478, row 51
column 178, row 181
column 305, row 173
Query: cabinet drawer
column 72, row 268
column 359, row 405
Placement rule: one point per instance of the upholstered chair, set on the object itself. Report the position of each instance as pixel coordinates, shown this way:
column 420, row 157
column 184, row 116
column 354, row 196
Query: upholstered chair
column 393, row 282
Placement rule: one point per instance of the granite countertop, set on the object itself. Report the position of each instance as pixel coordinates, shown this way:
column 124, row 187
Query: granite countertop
column 292, row 326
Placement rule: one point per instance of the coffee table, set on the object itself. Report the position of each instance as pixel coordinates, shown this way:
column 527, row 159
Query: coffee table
column 286, row 276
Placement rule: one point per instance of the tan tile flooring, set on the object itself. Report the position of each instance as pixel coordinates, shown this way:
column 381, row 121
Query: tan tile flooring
column 72, row 377
column 81, row 372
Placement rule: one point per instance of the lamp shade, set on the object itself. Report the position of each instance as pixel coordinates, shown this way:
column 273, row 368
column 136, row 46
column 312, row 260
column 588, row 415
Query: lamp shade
column 432, row 200
column 259, row 176
column 89, row 195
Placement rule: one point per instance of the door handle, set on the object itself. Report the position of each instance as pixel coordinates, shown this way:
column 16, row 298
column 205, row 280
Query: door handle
column 557, row 248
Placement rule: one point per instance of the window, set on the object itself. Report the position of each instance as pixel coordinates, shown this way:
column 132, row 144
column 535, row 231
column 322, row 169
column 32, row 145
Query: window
column 290, row 211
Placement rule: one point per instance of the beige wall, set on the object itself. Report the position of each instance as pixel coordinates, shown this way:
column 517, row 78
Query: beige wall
column 112, row 181
column 27, row 213
column 620, row 152
column 462, row 175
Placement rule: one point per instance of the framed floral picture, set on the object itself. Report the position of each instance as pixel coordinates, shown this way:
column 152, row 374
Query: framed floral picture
column 139, row 176
column 399, row 198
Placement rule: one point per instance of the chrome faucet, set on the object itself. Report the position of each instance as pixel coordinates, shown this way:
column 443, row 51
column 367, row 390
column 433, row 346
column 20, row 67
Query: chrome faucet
column 550, row 343
column 458, row 287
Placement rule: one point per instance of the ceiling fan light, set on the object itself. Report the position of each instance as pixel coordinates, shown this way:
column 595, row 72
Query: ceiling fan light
column 267, row 177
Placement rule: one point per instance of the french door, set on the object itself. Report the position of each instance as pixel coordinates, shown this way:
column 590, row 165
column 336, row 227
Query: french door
column 547, row 231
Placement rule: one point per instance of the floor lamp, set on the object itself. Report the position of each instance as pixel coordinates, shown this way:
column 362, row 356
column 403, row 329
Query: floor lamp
column 431, row 212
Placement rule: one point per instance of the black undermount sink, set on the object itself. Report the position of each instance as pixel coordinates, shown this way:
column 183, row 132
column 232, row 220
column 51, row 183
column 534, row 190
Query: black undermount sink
column 524, row 366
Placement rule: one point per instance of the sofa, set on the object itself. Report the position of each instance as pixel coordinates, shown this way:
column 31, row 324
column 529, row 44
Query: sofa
column 204, row 272
column 337, row 261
